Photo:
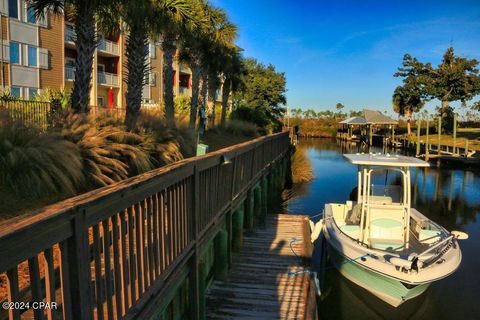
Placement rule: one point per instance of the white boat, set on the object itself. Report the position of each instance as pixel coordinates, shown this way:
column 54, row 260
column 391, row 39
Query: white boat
column 382, row 244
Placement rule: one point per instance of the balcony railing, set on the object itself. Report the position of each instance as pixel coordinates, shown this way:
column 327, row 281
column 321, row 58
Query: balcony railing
column 108, row 46
column 108, row 79
column 70, row 73
column 184, row 91
column 70, row 34
column 184, row 69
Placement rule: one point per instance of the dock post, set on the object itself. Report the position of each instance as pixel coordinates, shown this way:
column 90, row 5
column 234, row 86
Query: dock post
column 264, row 197
column 419, row 125
column 427, row 149
column 371, row 134
column 454, row 133
column 439, row 133
column 466, row 148
column 258, row 204
column 202, row 288
column 249, row 210
column 221, row 255
column 237, row 229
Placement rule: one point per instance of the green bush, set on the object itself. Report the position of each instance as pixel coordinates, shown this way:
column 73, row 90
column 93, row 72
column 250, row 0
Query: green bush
column 243, row 128
column 108, row 153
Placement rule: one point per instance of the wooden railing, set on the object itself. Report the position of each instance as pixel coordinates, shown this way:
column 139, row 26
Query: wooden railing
column 107, row 253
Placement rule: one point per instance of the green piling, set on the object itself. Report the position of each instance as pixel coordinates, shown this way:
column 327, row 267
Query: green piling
column 202, row 288
column 221, row 255
column 249, row 210
column 237, row 229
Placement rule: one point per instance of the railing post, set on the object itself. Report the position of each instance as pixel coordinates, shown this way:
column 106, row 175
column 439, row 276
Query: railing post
column 79, row 269
column 221, row 255
column 249, row 210
column 197, row 296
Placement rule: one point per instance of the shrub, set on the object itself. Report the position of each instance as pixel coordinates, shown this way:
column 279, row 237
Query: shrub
column 301, row 167
column 243, row 128
column 38, row 165
column 108, row 153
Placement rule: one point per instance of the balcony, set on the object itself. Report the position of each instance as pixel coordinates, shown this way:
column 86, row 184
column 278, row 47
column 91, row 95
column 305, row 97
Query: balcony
column 69, row 73
column 108, row 47
column 107, row 79
column 70, row 35
column 184, row 91
column 185, row 69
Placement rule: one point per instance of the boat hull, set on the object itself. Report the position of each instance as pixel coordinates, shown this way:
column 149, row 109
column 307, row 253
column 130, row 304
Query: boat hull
column 392, row 291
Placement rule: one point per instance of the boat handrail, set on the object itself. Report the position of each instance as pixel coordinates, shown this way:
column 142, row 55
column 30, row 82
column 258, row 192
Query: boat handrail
column 444, row 241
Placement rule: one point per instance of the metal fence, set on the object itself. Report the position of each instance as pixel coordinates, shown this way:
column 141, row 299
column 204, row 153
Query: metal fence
column 36, row 114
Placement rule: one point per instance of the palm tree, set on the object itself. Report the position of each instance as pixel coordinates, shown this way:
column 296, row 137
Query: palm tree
column 200, row 50
column 232, row 71
column 142, row 18
column 172, row 30
column 83, row 14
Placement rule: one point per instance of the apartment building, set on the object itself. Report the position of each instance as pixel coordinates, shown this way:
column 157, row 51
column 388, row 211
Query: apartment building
column 41, row 54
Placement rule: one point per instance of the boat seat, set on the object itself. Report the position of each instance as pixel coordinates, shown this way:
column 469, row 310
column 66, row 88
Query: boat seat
column 384, row 228
column 380, row 199
column 351, row 230
column 429, row 236
column 386, row 244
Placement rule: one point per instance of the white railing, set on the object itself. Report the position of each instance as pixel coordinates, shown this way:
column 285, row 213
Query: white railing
column 184, row 91
column 70, row 34
column 70, row 73
column 184, row 69
column 108, row 79
column 108, row 46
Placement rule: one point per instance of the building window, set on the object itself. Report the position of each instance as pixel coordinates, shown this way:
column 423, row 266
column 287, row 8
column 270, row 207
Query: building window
column 15, row 91
column 13, row 8
column 31, row 15
column 32, row 56
column 14, row 52
column 32, row 93
column 101, row 101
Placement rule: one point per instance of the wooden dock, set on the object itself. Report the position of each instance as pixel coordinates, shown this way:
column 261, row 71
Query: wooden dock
column 260, row 284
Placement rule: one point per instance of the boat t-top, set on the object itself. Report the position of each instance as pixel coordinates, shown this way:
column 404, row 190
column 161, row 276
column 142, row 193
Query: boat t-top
column 379, row 242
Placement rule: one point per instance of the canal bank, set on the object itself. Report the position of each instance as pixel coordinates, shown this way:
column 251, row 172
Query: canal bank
column 448, row 196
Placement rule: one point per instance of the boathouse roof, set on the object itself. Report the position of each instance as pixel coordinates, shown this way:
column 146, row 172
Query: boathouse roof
column 376, row 117
column 354, row 120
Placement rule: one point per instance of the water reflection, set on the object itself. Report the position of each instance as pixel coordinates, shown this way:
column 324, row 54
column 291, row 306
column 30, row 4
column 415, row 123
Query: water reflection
column 450, row 197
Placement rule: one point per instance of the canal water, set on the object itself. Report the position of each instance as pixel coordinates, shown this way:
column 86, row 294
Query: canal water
column 450, row 197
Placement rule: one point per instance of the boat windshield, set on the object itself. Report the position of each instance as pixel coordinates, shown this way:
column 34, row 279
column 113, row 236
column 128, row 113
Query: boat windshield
column 387, row 185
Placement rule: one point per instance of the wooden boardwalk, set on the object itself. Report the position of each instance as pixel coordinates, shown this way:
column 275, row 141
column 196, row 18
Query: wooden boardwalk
column 259, row 285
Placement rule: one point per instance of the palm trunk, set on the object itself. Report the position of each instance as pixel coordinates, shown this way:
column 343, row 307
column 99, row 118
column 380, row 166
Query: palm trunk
column 196, row 76
column 225, row 96
column 168, row 48
column 203, row 91
column 86, row 44
column 136, row 53
column 212, row 92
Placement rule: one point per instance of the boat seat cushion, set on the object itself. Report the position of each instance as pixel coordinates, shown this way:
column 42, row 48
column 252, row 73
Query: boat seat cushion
column 384, row 228
column 428, row 236
column 380, row 199
column 387, row 245
column 353, row 231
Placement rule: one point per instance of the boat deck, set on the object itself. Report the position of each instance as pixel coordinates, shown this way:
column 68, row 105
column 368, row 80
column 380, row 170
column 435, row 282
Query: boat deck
column 260, row 285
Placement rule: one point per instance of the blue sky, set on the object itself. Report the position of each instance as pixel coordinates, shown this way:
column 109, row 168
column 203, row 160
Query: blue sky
column 348, row 51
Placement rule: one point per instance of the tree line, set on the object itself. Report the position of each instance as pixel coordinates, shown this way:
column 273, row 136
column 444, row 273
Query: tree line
column 454, row 79
column 202, row 34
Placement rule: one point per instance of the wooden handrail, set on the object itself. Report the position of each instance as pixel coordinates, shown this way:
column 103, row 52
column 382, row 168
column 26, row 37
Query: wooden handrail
column 129, row 237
